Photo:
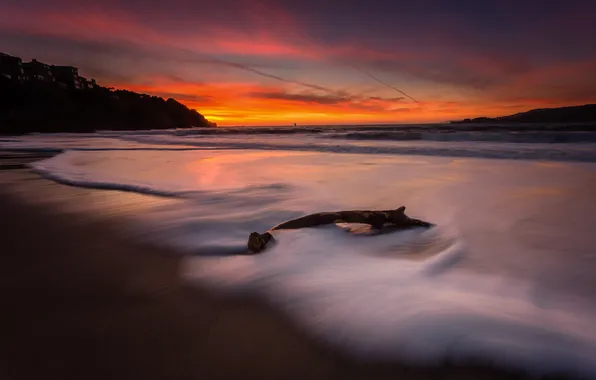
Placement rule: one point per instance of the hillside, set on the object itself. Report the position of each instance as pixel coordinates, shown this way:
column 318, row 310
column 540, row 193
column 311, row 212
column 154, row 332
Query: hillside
column 38, row 106
column 574, row 114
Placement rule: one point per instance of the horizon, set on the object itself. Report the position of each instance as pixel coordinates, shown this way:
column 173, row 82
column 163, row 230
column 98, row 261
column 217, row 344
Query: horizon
column 265, row 63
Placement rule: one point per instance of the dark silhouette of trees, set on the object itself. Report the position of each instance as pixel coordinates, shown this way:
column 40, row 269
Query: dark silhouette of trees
column 35, row 106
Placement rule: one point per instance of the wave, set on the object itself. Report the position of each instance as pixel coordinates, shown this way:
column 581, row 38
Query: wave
column 94, row 184
column 423, row 312
column 57, row 143
column 485, row 136
column 523, row 133
column 505, row 143
column 64, row 178
column 585, row 152
column 61, row 169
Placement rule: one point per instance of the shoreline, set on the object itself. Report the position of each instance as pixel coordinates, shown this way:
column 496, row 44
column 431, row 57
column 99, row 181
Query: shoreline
column 84, row 301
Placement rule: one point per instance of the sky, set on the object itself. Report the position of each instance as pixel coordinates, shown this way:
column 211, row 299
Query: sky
column 279, row 62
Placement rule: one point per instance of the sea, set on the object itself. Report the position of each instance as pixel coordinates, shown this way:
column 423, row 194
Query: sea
column 507, row 276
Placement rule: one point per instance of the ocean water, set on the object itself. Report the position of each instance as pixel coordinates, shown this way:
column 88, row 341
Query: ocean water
column 507, row 277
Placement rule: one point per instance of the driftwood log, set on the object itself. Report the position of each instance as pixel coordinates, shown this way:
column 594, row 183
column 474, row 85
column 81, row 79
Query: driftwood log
column 378, row 220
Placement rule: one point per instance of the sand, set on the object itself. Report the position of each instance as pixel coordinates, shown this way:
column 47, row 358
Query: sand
column 81, row 301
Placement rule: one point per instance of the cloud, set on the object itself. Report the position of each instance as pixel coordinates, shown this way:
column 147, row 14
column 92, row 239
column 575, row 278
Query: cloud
column 353, row 102
column 254, row 70
column 265, row 59
column 569, row 82
column 386, row 99
column 376, row 79
column 302, row 98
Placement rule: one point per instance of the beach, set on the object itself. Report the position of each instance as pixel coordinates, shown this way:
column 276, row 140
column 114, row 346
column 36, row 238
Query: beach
column 83, row 301
column 99, row 306
column 124, row 257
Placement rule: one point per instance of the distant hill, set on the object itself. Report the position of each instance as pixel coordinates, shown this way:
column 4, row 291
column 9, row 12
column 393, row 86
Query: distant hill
column 574, row 114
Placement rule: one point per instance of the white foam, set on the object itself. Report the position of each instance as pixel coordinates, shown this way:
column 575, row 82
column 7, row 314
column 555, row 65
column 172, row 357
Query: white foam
column 73, row 169
column 400, row 308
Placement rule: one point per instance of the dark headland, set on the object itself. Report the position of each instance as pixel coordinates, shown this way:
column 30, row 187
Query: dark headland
column 37, row 97
column 573, row 114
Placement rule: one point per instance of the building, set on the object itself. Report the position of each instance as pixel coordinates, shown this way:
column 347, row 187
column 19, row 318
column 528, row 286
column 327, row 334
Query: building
column 87, row 84
column 67, row 76
column 63, row 76
column 36, row 70
column 11, row 67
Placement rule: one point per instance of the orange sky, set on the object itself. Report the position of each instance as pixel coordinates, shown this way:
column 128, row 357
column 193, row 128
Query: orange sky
column 251, row 62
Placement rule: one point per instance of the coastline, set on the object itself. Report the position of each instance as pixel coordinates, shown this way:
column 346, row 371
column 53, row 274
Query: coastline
column 84, row 301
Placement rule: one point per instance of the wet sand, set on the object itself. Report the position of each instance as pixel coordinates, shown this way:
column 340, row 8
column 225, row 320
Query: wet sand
column 81, row 301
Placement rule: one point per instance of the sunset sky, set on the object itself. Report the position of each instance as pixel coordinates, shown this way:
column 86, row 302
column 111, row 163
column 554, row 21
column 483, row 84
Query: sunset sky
column 265, row 62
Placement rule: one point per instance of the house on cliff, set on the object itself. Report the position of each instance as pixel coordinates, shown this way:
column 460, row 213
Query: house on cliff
column 39, row 71
column 87, row 84
column 14, row 68
column 67, row 76
column 11, row 67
